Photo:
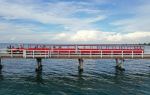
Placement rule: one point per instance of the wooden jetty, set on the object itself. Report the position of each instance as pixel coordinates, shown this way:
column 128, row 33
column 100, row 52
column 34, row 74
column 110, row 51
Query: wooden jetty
column 119, row 52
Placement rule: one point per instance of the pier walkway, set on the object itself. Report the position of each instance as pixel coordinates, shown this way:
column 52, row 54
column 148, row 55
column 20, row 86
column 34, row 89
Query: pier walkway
column 119, row 52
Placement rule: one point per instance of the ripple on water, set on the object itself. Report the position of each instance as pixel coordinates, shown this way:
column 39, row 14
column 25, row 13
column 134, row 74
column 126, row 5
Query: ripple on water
column 61, row 77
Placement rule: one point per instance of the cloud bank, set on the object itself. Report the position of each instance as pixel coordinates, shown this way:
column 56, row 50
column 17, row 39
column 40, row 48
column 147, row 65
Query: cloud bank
column 87, row 21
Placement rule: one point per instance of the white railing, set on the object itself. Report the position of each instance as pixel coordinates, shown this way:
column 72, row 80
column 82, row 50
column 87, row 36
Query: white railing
column 50, row 53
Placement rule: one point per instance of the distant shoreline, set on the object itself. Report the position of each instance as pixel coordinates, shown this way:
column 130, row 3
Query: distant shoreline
column 148, row 44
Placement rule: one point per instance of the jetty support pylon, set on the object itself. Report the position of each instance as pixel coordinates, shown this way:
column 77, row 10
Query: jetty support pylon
column 119, row 65
column 39, row 64
column 80, row 67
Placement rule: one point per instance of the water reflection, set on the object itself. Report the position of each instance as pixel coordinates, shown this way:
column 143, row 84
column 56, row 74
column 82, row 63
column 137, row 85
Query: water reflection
column 96, row 79
column 1, row 75
column 119, row 72
column 39, row 78
column 80, row 75
column 119, row 76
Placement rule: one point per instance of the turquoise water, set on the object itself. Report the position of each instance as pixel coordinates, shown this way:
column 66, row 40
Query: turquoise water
column 61, row 77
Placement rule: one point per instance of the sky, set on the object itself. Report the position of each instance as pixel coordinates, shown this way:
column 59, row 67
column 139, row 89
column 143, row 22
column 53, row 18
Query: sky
column 75, row 21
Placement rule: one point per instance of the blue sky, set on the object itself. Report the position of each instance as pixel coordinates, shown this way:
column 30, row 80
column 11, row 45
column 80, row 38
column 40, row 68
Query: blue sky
column 75, row 21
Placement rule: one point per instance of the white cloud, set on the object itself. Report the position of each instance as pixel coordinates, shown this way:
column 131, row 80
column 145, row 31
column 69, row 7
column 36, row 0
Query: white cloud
column 78, row 30
column 10, row 28
column 93, row 36
column 26, row 34
column 59, row 13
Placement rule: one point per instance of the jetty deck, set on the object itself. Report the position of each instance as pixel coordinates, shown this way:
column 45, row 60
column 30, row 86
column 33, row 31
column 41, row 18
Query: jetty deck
column 75, row 51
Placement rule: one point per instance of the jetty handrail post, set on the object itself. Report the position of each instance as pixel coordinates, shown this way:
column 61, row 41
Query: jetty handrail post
column 132, row 53
column 69, row 54
column 122, row 53
column 58, row 53
column 101, row 54
column 142, row 54
column 112, row 53
column 45, row 53
column 24, row 53
column 52, row 48
column 79, row 53
column 50, row 53
column 76, row 48
column 33, row 53
column 11, row 52
column 90, row 53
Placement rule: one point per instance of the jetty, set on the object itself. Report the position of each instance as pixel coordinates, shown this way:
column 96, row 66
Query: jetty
column 118, row 52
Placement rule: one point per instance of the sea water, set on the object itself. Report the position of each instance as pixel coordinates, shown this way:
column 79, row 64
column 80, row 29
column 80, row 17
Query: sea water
column 61, row 77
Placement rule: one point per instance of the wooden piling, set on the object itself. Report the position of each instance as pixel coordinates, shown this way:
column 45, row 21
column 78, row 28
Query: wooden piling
column 119, row 65
column 39, row 64
column 80, row 67
column 1, row 64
